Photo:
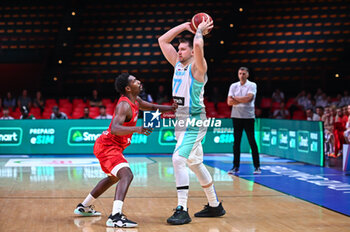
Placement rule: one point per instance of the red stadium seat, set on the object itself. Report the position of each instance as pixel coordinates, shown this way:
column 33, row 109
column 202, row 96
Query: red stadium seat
column 299, row 115
column 265, row 103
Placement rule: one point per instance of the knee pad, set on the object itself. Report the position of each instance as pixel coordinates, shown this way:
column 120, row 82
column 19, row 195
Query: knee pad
column 180, row 171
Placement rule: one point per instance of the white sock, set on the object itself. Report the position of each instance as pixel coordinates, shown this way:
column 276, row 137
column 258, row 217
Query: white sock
column 117, row 207
column 211, row 195
column 182, row 179
column 88, row 200
column 182, row 196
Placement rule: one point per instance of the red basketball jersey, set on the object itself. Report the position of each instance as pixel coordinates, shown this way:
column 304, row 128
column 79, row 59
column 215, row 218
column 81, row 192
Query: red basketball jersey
column 124, row 140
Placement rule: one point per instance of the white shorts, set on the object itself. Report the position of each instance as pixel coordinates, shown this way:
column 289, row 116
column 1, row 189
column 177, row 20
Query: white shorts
column 189, row 140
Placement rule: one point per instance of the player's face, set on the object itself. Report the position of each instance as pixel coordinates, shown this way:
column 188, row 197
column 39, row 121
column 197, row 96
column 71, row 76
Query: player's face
column 243, row 75
column 135, row 85
column 185, row 52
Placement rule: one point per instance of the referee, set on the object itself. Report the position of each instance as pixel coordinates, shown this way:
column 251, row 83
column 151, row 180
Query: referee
column 241, row 97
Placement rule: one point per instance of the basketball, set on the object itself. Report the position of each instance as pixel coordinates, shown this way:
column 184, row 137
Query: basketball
column 197, row 19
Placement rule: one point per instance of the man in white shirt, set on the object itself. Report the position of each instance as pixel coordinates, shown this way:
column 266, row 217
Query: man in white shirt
column 241, row 97
column 6, row 115
column 57, row 114
column 311, row 116
column 103, row 114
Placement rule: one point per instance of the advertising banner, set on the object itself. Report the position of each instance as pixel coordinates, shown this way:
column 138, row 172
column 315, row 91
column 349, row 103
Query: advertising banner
column 298, row 140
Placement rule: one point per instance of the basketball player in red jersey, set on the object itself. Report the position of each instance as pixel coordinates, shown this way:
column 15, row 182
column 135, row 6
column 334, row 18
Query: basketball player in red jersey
column 110, row 145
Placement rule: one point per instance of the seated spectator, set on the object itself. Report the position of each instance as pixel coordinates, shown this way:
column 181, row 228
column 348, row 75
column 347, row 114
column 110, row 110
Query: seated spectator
column 312, row 105
column 39, row 101
column 103, row 114
column 347, row 127
column 24, row 100
column 281, row 113
column 9, row 101
column 95, row 100
column 25, row 113
column 277, row 96
column 86, row 113
column 318, row 95
column 328, row 121
column 162, row 96
column 345, row 110
column 6, row 116
column 319, row 112
column 302, row 100
column 57, row 114
column 339, row 128
column 345, row 99
column 322, row 101
column 311, row 116
column 332, row 104
column 306, row 102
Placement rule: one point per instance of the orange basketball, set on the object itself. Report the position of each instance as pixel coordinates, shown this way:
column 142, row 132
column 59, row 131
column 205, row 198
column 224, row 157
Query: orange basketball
column 197, row 19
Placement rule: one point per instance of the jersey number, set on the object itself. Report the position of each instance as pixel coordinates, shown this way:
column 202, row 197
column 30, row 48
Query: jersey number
column 177, row 83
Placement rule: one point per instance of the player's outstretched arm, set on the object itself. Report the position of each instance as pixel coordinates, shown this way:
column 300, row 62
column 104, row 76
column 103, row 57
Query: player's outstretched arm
column 150, row 106
column 123, row 113
column 164, row 41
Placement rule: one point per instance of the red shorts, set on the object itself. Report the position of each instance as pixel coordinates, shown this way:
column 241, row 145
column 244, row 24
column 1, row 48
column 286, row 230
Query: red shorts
column 110, row 156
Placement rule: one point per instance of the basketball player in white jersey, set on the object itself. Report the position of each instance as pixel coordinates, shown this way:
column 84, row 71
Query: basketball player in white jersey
column 190, row 76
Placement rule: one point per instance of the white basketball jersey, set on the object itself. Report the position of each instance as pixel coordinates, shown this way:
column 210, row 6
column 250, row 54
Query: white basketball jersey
column 187, row 91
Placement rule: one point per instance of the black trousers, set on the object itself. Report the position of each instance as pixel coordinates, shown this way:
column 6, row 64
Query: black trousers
column 247, row 124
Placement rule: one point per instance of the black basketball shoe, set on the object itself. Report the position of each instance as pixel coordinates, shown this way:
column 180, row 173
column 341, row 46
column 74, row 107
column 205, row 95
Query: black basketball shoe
column 119, row 220
column 209, row 211
column 179, row 217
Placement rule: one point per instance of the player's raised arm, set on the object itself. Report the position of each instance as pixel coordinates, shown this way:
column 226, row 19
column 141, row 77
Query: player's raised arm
column 164, row 41
column 144, row 105
column 200, row 65
column 123, row 113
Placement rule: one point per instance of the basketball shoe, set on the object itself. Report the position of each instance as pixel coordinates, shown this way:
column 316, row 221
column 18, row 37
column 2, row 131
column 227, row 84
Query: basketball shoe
column 179, row 217
column 120, row 220
column 86, row 211
column 233, row 171
column 257, row 171
column 209, row 211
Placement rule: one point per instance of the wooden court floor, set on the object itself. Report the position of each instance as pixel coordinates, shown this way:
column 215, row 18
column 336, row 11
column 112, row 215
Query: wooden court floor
column 43, row 199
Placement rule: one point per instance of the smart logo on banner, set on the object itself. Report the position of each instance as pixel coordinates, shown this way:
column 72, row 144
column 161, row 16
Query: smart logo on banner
column 303, row 141
column 167, row 136
column 266, row 136
column 283, row 138
column 11, row 136
column 84, row 136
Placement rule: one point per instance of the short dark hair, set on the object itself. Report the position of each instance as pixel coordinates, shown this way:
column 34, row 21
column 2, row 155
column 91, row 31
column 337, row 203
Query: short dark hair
column 186, row 40
column 121, row 82
column 102, row 107
column 244, row 68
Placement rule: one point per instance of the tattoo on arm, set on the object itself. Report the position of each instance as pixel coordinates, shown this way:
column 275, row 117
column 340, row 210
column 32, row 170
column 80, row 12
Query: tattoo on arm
column 199, row 34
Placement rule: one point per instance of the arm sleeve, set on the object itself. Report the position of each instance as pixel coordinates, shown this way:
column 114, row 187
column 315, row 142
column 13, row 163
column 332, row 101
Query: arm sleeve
column 231, row 91
column 252, row 89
